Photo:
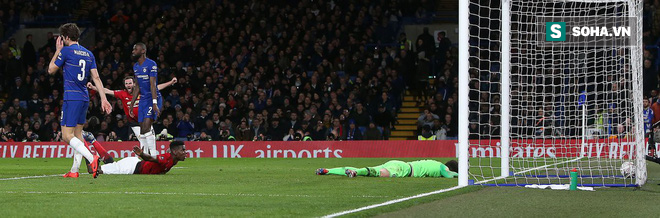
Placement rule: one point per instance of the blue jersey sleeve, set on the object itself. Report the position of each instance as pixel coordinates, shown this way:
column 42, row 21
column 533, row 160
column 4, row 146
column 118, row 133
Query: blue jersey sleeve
column 61, row 58
column 93, row 62
column 153, row 70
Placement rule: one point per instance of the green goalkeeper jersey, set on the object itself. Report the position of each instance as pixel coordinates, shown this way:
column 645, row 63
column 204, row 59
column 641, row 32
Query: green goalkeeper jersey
column 431, row 168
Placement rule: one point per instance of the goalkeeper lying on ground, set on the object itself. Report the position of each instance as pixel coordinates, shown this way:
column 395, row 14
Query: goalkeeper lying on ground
column 396, row 168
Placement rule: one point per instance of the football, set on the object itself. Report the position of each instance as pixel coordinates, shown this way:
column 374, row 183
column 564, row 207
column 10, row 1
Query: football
column 628, row 169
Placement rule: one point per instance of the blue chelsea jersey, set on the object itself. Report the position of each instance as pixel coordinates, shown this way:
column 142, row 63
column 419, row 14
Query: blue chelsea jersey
column 143, row 73
column 76, row 63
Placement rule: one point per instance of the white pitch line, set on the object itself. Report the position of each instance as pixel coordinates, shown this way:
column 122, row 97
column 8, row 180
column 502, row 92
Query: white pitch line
column 33, row 177
column 29, row 177
column 191, row 194
column 393, row 201
column 435, row 192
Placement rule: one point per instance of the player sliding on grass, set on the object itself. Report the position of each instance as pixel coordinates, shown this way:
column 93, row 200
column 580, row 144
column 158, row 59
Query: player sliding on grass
column 146, row 72
column 396, row 168
column 161, row 164
column 125, row 96
column 78, row 65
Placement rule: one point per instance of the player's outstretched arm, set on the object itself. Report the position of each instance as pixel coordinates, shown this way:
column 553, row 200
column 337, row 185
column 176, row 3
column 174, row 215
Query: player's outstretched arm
column 166, row 84
column 142, row 155
column 53, row 66
column 107, row 91
column 105, row 105
column 445, row 172
column 135, row 95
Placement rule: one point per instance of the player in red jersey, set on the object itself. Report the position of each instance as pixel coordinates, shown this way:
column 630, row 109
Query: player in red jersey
column 161, row 164
column 125, row 97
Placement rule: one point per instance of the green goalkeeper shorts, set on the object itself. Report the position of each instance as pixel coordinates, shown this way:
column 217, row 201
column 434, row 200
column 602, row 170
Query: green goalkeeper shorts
column 396, row 168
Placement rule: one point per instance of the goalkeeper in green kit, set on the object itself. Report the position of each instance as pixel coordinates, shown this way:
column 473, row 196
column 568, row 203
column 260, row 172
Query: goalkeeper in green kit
column 396, row 168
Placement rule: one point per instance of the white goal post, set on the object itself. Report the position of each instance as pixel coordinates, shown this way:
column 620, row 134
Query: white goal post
column 548, row 86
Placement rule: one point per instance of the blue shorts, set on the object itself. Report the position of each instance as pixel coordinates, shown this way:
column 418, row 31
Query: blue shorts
column 145, row 108
column 74, row 113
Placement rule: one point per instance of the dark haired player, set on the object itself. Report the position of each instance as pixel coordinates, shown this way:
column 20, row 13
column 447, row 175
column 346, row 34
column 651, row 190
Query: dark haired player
column 161, row 164
column 146, row 73
column 125, row 96
column 78, row 65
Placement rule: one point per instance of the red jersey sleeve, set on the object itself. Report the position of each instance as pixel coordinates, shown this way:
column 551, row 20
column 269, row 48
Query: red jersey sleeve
column 118, row 94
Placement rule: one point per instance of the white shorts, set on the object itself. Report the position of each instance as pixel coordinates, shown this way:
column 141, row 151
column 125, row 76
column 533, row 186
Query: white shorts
column 136, row 130
column 124, row 166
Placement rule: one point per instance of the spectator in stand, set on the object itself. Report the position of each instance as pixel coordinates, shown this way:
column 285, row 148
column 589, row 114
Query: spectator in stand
column 337, row 128
column 119, row 18
column 426, row 118
column 6, row 135
column 319, row 133
column 243, row 132
column 452, row 126
column 648, row 116
column 385, row 120
column 3, row 118
column 211, row 130
column 360, row 116
column 352, row 132
column 426, row 134
column 50, row 43
column 373, row 133
column 650, row 77
column 428, row 43
column 200, row 121
column 423, row 71
column 275, row 130
column 29, row 52
column 185, row 128
column 257, row 130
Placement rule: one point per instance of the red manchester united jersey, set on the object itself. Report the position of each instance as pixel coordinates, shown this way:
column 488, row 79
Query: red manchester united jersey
column 165, row 163
column 125, row 99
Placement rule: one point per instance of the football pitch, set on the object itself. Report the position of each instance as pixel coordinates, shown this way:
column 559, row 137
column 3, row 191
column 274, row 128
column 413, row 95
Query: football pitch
column 289, row 188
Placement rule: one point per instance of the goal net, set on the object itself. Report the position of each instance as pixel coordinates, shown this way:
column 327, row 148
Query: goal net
column 548, row 87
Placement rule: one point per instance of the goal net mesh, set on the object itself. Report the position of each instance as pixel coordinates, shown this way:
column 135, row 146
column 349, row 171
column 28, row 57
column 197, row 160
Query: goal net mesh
column 572, row 105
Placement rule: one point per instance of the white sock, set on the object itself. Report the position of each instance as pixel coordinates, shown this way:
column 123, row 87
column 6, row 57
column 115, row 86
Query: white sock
column 77, row 158
column 143, row 142
column 151, row 144
column 79, row 146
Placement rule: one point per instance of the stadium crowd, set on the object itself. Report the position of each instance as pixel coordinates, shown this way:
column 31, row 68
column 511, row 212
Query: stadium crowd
column 246, row 70
column 266, row 70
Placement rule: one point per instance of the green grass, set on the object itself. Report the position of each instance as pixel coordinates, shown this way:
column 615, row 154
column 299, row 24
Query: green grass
column 289, row 188
column 203, row 187
column 523, row 202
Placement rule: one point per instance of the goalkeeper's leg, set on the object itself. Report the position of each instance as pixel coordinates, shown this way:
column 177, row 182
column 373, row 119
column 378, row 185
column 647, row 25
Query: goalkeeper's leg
column 344, row 171
column 393, row 168
column 334, row 171
column 377, row 171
